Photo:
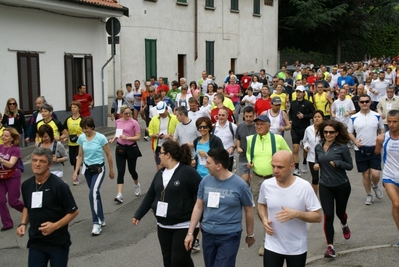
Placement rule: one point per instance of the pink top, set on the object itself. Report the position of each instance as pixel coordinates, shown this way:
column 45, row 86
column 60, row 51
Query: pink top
column 130, row 128
column 6, row 153
column 233, row 89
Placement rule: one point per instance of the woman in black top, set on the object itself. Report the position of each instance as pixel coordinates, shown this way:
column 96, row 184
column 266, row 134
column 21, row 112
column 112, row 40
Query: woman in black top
column 15, row 118
column 334, row 159
column 171, row 196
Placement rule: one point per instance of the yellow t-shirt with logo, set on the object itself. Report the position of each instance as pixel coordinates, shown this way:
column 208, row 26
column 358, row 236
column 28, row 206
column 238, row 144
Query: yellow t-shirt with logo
column 283, row 98
column 321, row 102
column 73, row 127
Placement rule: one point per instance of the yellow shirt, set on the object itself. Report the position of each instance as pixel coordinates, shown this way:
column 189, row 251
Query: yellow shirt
column 73, row 127
column 305, row 96
column 283, row 98
column 1, row 133
column 322, row 103
column 227, row 103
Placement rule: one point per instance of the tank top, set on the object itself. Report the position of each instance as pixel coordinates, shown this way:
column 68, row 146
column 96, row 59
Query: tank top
column 137, row 102
column 275, row 121
column 322, row 103
column 390, row 158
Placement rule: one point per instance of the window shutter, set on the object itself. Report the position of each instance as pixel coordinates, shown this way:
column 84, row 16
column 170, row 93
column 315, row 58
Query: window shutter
column 89, row 75
column 28, row 80
column 70, row 89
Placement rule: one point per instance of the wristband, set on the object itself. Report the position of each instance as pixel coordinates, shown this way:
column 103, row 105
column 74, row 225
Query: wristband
column 25, row 224
column 251, row 236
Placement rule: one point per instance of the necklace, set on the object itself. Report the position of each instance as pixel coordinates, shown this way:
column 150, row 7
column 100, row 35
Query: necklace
column 40, row 186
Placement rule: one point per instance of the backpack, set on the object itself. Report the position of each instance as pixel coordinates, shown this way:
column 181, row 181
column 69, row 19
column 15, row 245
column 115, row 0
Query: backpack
column 54, row 148
column 273, row 140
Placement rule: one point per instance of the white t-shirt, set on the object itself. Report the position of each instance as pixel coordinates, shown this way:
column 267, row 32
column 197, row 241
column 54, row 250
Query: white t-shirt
column 290, row 237
column 186, row 133
column 207, row 109
column 167, row 175
column 225, row 135
column 310, row 140
column 252, row 100
column 210, row 96
column 153, row 111
column 342, row 107
column 366, row 126
column 257, row 87
column 163, row 129
column 380, row 87
column 198, row 114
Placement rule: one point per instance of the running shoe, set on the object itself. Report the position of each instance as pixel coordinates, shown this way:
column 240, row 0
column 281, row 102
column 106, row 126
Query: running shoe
column 119, row 198
column 76, row 181
column 369, row 199
column 196, row 247
column 147, row 138
column 377, row 192
column 96, row 229
column 330, row 252
column 346, row 232
column 261, row 251
column 137, row 190
column 304, row 167
column 297, row 172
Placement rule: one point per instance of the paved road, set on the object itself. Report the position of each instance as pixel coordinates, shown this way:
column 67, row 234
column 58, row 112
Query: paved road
column 122, row 244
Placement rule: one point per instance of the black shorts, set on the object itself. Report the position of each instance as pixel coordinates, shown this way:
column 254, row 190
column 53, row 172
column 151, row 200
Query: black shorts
column 297, row 135
column 365, row 162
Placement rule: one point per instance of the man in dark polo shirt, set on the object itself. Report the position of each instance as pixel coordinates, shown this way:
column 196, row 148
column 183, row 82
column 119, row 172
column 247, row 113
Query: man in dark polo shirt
column 261, row 161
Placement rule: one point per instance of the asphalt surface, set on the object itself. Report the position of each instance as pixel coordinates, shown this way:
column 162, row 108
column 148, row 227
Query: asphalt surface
column 123, row 244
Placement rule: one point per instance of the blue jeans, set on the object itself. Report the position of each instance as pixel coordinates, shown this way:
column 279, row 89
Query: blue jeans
column 39, row 257
column 220, row 250
column 94, row 181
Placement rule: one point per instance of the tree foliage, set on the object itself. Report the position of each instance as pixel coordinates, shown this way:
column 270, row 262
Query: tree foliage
column 332, row 26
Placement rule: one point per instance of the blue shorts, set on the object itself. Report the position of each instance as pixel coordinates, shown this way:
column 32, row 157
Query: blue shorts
column 365, row 162
column 137, row 108
column 389, row 181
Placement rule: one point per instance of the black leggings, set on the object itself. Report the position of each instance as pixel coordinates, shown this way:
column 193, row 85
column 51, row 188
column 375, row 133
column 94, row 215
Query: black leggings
column 273, row 259
column 121, row 166
column 73, row 153
column 231, row 163
column 339, row 194
column 172, row 246
column 315, row 174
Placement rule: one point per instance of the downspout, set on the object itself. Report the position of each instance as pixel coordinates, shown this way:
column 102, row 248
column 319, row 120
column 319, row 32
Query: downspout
column 195, row 29
column 105, row 111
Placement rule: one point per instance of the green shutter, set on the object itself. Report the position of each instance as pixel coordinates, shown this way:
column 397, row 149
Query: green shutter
column 150, row 58
column 257, row 7
column 210, row 57
column 234, row 5
column 209, row 3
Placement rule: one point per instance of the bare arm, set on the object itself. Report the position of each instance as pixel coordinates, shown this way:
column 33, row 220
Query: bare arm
column 107, row 151
column 24, row 221
column 263, row 214
column 195, row 217
column 10, row 163
column 287, row 214
column 48, row 228
column 378, row 144
column 249, row 222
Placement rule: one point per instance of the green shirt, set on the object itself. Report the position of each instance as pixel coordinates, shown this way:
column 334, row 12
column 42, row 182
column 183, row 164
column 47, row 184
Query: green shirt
column 173, row 94
column 263, row 152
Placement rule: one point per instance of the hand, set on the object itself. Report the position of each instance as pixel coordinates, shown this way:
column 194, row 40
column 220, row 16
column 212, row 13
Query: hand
column 112, row 118
column 346, row 114
column 306, row 149
column 123, row 137
column 27, row 139
column 358, row 143
column 281, row 129
column 250, row 165
column 333, row 116
column 74, row 177
column 230, row 150
column 286, row 214
column 193, row 163
column 111, row 174
column 47, row 228
column 268, row 229
column 135, row 221
column 202, row 153
column 21, row 230
column 316, row 167
column 299, row 115
column 55, row 159
column 250, row 240
column 332, row 163
column 188, row 242
column 239, row 150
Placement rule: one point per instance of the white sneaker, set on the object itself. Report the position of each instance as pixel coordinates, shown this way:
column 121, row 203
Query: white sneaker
column 77, row 181
column 147, row 138
column 304, row 168
column 119, row 198
column 137, row 190
column 369, row 199
column 96, row 229
column 103, row 223
column 297, row 172
column 377, row 191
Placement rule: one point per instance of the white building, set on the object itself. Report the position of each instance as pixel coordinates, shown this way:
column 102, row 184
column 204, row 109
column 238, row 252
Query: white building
column 181, row 38
column 49, row 47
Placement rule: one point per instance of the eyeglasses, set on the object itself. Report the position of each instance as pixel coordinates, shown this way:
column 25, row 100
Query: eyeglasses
column 364, row 102
column 162, row 152
column 201, row 127
column 329, row 132
column 12, row 104
column 127, row 113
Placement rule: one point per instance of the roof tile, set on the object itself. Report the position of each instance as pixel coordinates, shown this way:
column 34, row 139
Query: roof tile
column 109, row 3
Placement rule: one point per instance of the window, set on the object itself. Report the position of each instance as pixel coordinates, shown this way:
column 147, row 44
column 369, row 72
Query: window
column 181, row 1
column 78, row 71
column 234, row 5
column 150, row 58
column 28, row 80
column 268, row 2
column 209, row 3
column 256, row 7
column 210, row 57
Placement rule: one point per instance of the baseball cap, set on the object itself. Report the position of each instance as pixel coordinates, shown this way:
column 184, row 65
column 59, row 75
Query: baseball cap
column 264, row 118
column 276, row 100
column 161, row 107
column 300, row 88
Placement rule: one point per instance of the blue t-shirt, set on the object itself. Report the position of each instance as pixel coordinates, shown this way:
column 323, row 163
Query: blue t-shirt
column 93, row 151
column 201, row 169
column 234, row 194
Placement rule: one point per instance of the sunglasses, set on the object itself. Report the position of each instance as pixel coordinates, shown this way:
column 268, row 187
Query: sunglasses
column 202, row 127
column 12, row 104
column 364, row 102
column 329, row 132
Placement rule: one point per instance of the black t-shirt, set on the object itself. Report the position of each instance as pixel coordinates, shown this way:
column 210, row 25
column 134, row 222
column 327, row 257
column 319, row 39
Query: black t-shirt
column 57, row 201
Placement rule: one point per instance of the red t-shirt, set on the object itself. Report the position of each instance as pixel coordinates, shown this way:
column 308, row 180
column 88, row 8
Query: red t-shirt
column 215, row 113
column 262, row 105
column 245, row 81
column 162, row 87
column 85, row 100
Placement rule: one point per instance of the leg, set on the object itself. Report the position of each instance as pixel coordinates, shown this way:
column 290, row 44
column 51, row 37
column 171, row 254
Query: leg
column 73, row 153
column 295, row 153
column 315, row 177
column 209, row 248
column 165, row 240
column 255, row 187
column 375, row 177
column 367, row 181
column 393, row 193
column 58, row 257
column 227, row 249
column 95, row 197
column 37, row 258
column 4, row 212
column 341, row 201
column 272, row 259
column 121, row 167
column 14, row 193
column 327, row 203
column 296, row 260
column 180, row 256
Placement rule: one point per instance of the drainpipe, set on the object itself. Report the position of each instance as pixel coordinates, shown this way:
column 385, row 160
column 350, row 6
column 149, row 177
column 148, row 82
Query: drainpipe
column 195, row 29
column 105, row 111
